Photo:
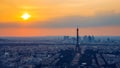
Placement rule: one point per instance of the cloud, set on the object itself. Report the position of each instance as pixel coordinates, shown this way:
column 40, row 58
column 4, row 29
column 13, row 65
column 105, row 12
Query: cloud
column 9, row 25
column 99, row 20
column 73, row 21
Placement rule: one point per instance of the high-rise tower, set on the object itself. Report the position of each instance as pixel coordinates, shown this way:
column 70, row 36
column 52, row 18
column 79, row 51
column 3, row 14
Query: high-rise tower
column 77, row 41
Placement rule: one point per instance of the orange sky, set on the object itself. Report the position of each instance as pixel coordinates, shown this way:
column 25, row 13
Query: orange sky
column 97, row 17
column 97, row 31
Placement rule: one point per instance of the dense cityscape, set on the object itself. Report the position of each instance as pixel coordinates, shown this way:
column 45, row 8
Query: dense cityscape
column 65, row 52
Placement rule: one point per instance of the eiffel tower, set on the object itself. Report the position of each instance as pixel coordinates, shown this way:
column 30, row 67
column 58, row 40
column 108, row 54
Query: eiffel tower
column 77, row 48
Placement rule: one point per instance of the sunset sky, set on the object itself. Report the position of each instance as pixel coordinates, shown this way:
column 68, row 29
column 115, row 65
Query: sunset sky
column 59, row 17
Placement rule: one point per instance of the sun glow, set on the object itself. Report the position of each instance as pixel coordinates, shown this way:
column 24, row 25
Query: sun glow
column 26, row 16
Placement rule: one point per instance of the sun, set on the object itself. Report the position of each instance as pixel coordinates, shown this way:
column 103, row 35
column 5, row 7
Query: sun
column 26, row 16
